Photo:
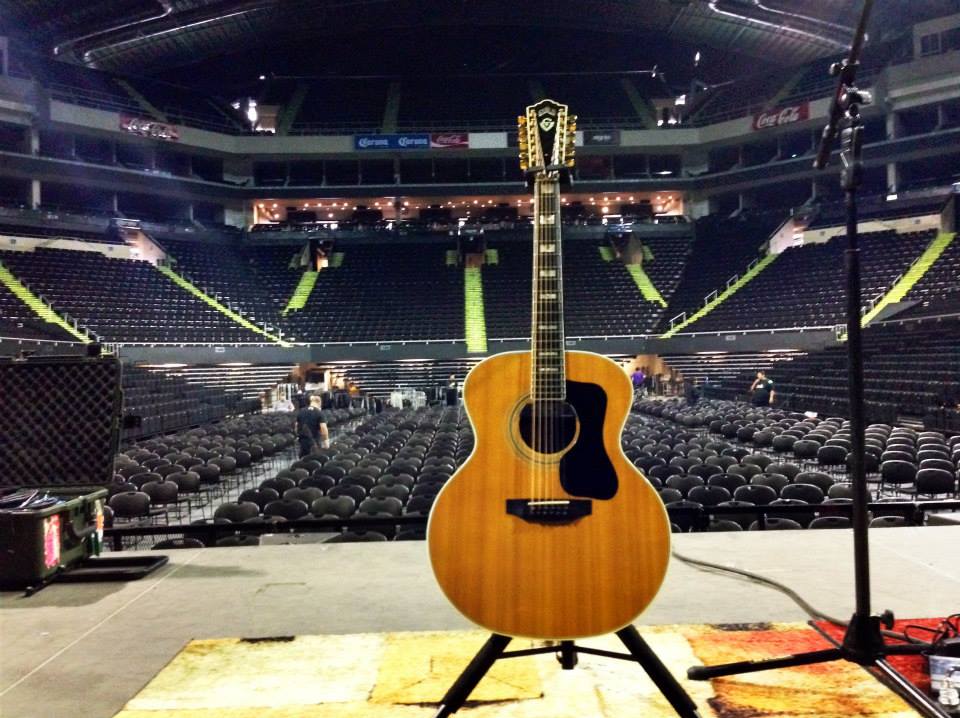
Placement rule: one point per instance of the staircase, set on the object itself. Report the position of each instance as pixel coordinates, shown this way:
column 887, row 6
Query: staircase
column 391, row 110
column 289, row 113
column 644, row 284
column 38, row 306
column 298, row 300
column 902, row 286
column 641, row 105
column 732, row 289
column 474, row 318
column 192, row 289
column 147, row 106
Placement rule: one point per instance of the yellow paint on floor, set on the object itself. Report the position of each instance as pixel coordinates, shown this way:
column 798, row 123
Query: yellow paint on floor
column 404, row 675
column 419, row 667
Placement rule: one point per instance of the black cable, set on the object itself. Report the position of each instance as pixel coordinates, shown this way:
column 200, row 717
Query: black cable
column 808, row 608
column 763, row 580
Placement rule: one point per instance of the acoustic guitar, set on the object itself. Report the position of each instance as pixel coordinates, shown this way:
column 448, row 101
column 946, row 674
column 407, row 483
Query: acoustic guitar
column 547, row 530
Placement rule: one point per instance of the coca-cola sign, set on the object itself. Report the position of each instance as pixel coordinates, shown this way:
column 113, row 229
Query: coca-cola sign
column 446, row 140
column 149, row 128
column 782, row 116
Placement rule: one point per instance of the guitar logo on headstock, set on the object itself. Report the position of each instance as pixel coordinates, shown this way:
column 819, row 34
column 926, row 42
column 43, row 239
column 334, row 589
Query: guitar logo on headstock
column 546, row 136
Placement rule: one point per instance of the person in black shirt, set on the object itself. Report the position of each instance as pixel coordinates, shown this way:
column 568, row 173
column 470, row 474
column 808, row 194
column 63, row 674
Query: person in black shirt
column 762, row 390
column 452, row 390
column 312, row 427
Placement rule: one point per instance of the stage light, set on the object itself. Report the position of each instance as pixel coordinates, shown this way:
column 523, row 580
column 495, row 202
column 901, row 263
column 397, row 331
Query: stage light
column 263, row 77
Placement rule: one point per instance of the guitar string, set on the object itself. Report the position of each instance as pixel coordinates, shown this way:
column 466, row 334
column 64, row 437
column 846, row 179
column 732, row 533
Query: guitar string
column 535, row 339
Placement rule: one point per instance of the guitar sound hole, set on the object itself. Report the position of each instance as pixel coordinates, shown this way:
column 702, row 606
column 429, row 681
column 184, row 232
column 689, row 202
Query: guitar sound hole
column 548, row 427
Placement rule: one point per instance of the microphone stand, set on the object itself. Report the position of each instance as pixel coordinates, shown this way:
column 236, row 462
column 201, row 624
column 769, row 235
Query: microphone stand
column 863, row 643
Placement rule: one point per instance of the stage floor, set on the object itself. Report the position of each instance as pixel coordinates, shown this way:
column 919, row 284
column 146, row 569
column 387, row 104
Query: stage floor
column 84, row 650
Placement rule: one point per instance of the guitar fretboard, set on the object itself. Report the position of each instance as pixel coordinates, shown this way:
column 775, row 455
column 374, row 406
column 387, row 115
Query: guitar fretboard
column 548, row 382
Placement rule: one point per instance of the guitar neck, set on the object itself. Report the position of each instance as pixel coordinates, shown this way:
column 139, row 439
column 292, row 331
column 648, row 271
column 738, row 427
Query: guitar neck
column 548, row 381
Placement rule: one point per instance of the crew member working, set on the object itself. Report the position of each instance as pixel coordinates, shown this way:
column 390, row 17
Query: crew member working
column 312, row 427
column 762, row 390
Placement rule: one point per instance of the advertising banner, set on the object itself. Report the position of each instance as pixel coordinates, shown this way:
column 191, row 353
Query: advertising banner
column 450, row 140
column 601, row 137
column 415, row 141
column 782, row 116
column 149, row 128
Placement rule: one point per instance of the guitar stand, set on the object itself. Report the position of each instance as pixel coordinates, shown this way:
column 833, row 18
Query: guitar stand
column 494, row 649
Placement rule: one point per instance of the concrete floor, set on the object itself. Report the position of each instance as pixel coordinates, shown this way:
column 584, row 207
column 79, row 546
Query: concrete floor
column 83, row 650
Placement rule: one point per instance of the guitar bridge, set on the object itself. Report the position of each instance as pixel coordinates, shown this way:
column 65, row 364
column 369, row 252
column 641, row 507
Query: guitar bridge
column 549, row 511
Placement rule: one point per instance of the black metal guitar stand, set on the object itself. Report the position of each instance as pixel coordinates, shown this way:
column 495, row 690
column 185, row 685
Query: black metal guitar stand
column 495, row 649
column 864, row 642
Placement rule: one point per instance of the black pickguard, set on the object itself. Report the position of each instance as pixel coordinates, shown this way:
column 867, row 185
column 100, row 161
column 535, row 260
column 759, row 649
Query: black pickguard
column 586, row 470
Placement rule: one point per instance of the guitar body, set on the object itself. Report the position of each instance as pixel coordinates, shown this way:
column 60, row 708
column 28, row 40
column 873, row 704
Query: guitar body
column 527, row 572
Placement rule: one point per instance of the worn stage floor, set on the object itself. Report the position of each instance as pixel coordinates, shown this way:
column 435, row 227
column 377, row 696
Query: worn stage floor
column 84, row 650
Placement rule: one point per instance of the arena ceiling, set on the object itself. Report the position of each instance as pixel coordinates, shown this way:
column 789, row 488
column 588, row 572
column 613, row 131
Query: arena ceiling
column 169, row 37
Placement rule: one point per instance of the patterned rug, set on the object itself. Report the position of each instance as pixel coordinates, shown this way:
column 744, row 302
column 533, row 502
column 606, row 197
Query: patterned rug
column 403, row 675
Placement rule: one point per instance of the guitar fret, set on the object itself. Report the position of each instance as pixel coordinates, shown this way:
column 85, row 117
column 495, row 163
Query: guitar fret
column 547, row 368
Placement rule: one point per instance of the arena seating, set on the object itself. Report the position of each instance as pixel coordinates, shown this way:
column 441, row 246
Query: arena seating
column 507, row 285
column 384, row 292
column 760, row 455
column 669, row 255
column 83, row 86
column 255, row 280
column 617, row 309
column 167, row 403
column 790, row 293
column 718, row 459
column 121, row 300
column 18, row 320
column 390, row 465
column 723, row 248
column 937, row 291
column 418, row 296
column 908, row 370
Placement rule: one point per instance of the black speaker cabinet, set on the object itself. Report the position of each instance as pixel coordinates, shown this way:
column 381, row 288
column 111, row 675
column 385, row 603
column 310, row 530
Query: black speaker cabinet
column 59, row 421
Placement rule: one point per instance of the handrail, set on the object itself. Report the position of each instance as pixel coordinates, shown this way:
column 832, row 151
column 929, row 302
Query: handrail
column 710, row 297
column 41, row 341
column 771, row 330
column 732, row 280
column 682, row 316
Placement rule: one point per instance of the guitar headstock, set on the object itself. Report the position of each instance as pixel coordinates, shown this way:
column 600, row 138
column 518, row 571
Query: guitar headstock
column 546, row 133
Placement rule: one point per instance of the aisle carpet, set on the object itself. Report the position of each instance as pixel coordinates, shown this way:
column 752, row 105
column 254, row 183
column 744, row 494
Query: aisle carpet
column 406, row 674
